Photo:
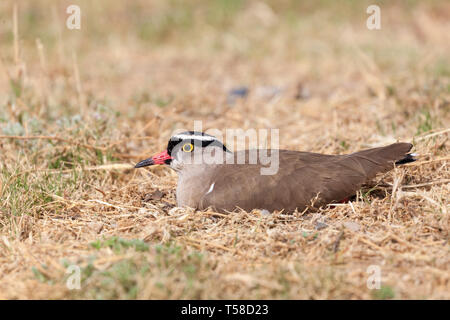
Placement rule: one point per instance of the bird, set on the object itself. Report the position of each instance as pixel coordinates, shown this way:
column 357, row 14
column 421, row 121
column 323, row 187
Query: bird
column 304, row 180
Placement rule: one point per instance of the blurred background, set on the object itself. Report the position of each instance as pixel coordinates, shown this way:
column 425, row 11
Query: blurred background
column 75, row 103
column 301, row 65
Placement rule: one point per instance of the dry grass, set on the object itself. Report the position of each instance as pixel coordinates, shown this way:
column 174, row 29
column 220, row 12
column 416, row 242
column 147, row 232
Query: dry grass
column 78, row 108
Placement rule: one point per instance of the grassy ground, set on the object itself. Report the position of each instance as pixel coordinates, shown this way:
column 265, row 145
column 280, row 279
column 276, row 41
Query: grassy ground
column 79, row 107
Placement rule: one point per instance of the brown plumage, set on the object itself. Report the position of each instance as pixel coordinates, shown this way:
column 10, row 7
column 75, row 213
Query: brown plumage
column 303, row 179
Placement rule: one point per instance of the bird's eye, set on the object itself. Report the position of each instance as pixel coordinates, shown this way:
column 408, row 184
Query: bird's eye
column 188, row 147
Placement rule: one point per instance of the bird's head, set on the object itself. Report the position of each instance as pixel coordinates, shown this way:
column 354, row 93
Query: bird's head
column 190, row 147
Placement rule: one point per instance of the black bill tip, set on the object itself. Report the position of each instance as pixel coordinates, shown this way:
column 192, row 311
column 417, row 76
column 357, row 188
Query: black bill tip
column 145, row 163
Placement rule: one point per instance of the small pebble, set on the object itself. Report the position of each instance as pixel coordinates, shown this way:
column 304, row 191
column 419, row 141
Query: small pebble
column 157, row 195
column 320, row 226
column 352, row 226
column 237, row 93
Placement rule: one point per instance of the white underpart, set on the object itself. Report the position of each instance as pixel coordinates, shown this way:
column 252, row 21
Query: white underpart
column 194, row 137
column 414, row 155
column 175, row 164
column 211, row 188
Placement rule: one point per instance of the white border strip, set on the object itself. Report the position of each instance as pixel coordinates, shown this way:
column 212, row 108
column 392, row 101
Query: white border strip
column 194, row 137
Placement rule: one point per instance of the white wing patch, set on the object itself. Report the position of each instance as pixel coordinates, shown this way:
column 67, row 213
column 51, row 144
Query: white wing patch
column 211, row 188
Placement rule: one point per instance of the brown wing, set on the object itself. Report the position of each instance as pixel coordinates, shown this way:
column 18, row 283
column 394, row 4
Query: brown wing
column 243, row 185
column 345, row 175
column 301, row 177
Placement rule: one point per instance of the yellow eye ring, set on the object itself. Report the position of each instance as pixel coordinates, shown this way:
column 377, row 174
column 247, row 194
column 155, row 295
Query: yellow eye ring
column 188, row 147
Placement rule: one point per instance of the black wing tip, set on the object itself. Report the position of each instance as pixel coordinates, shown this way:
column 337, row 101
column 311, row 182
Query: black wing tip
column 410, row 157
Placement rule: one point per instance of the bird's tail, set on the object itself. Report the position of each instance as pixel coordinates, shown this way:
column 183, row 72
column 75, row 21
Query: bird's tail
column 410, row 157
column 373, row 161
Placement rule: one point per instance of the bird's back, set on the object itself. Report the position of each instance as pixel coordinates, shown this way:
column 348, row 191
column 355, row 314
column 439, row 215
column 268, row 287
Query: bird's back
column 302, row 179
